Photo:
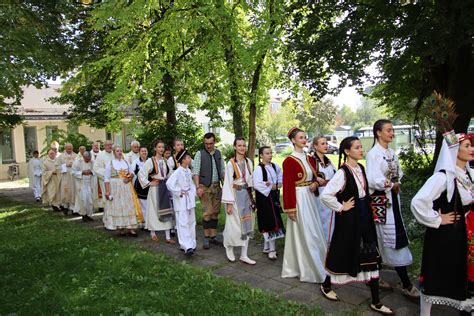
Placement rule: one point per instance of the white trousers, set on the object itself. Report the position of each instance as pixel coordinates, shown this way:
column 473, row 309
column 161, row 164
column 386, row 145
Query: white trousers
column 186, row 225
column 37, row 187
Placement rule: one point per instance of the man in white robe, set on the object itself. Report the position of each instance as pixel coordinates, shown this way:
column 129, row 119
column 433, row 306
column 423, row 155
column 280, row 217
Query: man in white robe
column 34, row 175
column 103, row 158
column 95, row 150
column 86, row 186
column 67, row 186
column 134, row 154
column 50, row 181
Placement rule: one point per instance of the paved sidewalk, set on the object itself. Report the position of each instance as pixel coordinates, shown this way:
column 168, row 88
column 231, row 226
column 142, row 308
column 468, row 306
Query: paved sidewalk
column 354, row 298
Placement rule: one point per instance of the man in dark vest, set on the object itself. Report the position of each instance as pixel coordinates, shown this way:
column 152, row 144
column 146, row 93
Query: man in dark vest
column 208, row 172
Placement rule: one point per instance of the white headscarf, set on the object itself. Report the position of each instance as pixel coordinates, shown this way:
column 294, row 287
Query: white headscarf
column 447, row 161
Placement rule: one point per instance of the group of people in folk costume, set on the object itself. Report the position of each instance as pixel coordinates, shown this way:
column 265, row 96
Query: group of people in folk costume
column 342, row 222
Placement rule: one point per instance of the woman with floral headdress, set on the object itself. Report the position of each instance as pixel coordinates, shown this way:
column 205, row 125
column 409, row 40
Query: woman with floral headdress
column 442, row 205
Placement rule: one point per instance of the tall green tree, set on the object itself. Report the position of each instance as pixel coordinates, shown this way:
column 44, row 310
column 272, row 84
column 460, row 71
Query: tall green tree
column 417, row 46
column 36, row 43
column 315, row 117
column 147, row 58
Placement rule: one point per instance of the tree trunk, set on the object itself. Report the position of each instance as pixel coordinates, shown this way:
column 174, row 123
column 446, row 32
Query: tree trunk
column 169, row 105
column 255, row 85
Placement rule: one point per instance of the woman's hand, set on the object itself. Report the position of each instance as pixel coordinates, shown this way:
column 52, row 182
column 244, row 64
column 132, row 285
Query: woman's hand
column 313, row 187
column 449, row 218
column 292, row 216
column 321, row 181
column 154, row 182
column 229, row 209
column 396, row 188
column 347, row 205
column 268, row 183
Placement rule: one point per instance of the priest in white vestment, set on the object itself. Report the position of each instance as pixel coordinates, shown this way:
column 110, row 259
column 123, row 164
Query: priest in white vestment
column 86, row 186
column 67, row 187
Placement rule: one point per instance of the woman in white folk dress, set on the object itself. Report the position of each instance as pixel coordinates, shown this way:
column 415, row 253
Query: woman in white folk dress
column 326, row 171
column 238, row 200
column 122, row 204
column 153, row 175
column 305, row 243
column 384, row 175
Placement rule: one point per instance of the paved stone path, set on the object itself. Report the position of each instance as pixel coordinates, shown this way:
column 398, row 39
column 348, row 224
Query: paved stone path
column 354, row 298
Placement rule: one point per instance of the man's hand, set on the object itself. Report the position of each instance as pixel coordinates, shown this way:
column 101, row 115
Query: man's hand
column 200, row 192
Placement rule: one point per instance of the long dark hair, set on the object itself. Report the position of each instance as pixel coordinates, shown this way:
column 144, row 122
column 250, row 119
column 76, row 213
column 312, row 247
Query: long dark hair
column 345, row 144
column 260, row 152
column 378, row 126
column 158, row 141
column 235, row 143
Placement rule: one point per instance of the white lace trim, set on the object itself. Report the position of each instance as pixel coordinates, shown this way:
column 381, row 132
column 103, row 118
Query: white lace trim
column 460, row 305
column 363, row 276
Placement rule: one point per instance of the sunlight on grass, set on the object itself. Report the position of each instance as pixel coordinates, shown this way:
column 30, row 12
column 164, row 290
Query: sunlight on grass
column 52, row 266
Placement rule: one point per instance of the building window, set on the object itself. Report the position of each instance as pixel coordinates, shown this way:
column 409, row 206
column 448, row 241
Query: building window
column 51, row 133
column 6, row 146
column 31, row 144
column 108, row 136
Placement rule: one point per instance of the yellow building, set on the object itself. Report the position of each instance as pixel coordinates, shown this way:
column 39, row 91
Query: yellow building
column 41, row 119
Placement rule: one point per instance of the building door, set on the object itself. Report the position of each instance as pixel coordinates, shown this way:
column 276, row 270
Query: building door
column 31, row 142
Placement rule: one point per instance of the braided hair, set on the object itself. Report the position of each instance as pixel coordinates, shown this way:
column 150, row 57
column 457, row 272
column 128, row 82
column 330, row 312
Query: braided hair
column 260, row 152
column 378, row 126
column 345, row 144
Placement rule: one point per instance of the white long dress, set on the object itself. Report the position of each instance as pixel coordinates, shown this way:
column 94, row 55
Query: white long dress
column 233, row 233
column 383, row 163
column 325, row 213
column 152, row 221
column 305, row 243
column 184, row 202
column 120, row 212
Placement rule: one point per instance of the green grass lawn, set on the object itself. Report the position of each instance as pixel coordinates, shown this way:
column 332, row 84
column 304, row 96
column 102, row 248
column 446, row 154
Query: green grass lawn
column 52, row 266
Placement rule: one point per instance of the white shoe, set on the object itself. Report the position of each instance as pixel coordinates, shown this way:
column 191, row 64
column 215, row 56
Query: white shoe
column 229, row 251
column 272, row 255
column 247, row 260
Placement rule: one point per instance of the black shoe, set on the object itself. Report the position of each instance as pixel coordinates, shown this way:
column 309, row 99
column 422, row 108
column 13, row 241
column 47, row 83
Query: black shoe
column 90, row 219
column 101, row 209
column 65, row 211
column 38, row 200
column 173, row 232
column 214, row 241
column 189, row 252
column 205, row 243
column 55, row 208
column 84, row 218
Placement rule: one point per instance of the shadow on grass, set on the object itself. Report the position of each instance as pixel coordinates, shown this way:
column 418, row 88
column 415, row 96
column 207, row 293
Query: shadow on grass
column 52, row 266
